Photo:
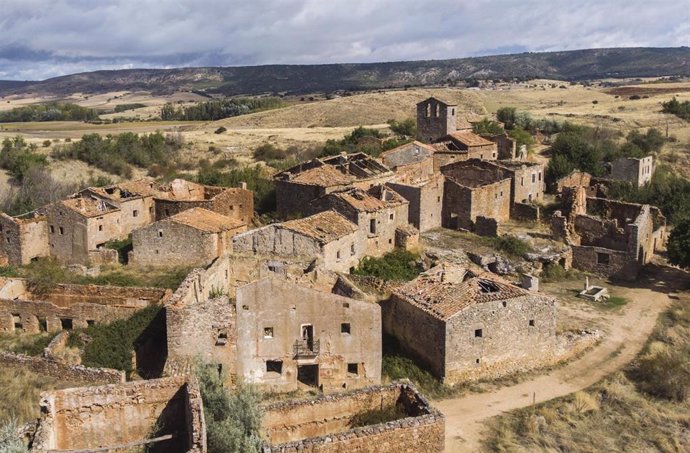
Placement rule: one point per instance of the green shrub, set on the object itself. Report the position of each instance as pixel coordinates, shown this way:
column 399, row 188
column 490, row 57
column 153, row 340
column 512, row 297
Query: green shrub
column 220, row 130
column 51, row 111
column 219, row 108
column 378, row 416
column 232, row 419
column 680, row 109
column 404, row 128
column 553, row 272
column 111, row 345
column 124, row 107
column 665, row 374
column 263, row 187
column 34, row 345
column 268, row 152
column 10, row 442
column 8, row 271
column 44, row 274
column 396, row 265
column 487, row 126
column 19, row 158
column 123, row 248
column 511, row 245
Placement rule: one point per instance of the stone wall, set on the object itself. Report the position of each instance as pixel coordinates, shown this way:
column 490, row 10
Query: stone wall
column 426, row 202
column 323, row 425
column 635, row 171
column 525, row 211
column 506, row 146
column 58, row 370
column 83, row 418
column 575, row 179
column 271, row 319
column 528, row 183
column 167, row 243
column 605, row 262
column 293, row 199
column 235, row 203
column 485, row 226
column 462, row 204
column 514, row 333
column 22, row 240
column 71, row 306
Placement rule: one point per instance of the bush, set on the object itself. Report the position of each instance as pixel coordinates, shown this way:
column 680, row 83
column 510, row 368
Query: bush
column 34, row 346
column 123, row 248
column 396, row 265
column 679, row 243
column 111, row 345
column 267, row 152
column 220, row 130
column 263, row 187
column 680, row 109
column 553, row 272
column 51, row 111
column 233, row 420
column 10, row 442
column 19, row 158
column 124, row 107
column 510, row 245
column 404, row 128
column 487, row 126
column 44, row 275
column 665, row 374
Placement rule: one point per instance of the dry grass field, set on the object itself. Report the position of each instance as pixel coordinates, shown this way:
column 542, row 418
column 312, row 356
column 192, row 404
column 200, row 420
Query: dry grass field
column 305, row 124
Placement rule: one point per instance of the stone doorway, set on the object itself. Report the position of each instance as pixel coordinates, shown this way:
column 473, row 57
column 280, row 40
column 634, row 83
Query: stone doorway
column 308, row 375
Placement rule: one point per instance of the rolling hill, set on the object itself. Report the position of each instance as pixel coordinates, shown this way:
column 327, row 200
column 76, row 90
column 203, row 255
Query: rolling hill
column 300, row 79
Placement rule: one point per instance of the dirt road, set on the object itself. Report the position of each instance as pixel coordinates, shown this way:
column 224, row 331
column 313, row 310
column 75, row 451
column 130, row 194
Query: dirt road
column 627, row 331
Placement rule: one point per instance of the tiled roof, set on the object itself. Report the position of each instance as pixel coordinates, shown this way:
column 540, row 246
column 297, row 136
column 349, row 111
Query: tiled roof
column 446, row 290
column 324, row 176
column 205, row 220
column 468, row 138
column 376, row 198
column 325, row 226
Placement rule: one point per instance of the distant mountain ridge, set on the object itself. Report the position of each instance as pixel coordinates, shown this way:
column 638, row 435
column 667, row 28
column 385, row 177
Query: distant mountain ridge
column 300, row 79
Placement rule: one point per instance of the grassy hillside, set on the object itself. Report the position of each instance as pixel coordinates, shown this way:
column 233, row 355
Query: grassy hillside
column 569, row 65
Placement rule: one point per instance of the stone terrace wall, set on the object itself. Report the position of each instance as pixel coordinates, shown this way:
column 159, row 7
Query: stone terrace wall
column 323, row 425
column 83, row 418
column 58, row 370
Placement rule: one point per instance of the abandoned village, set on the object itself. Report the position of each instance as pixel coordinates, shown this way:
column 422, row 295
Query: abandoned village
column 278, row 305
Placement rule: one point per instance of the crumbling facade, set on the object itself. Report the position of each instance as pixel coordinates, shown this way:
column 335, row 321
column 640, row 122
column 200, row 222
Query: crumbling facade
column 412, row 161
column 328, row 236
column 637, row 171
column 426, row 200
column 464, row 326
column 609, row 238
column 377, row 212
column 474, row 189
column 330, row 424
column 506, row 146
column 181, row 195
column 192, row 237
column 23, row 239
column 463, row 145
column 290, row 335
column 68, row 307
column 573, row 180
column 298, row 186
column 161, row 415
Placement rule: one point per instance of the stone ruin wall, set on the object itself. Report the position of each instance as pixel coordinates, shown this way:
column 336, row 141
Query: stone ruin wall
column 235, row 203
column 71, row 306
column 574, row 179
column 61, row 371
column 323, row 425
column 22, row 240
column 84, row 417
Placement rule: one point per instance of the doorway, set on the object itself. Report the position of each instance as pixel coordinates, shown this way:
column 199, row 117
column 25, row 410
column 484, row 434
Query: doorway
column 308, row 336
column 308, row 375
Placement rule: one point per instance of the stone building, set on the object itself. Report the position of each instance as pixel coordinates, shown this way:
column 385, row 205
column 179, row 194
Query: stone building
column 609, row 238
column 474, row 190
column 79, row 228
column 463, row 145
column 68, row 307
column 328, row 236
column 426, row 200
column 298, row 186
column 412, row 161
column 435, row 119
column 527, row 180
column 180, row 195
column 325, row 425
column 464, row 326
column 134, row 199
column 377, row 212
column 636, row 171
column 23, row 238
column 159, row 415
column 573, row 180
column 506, row 146
column 289, row 335
column 191, row 237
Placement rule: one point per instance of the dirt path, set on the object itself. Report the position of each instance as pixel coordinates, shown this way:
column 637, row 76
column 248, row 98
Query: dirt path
column 627, row 331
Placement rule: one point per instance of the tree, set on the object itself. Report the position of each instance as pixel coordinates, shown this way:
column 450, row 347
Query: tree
column 404, row 128
column 487, row 126
column 679, row 244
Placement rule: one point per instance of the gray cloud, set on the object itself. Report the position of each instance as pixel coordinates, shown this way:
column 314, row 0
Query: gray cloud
column 45, row 38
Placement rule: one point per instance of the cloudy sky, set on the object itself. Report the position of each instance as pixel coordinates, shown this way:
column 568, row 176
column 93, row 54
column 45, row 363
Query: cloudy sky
column 46, row 38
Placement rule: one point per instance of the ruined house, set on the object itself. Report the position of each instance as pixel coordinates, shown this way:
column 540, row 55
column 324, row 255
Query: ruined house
column 192, row 237
column 180, row 195
column 159, row 415
column 67, row 307
column 79, row 228
column 23, row 238
column 289, row 335
column 475, row 193
column 330, row 424
column 573, row 180
column 412, row 161
column 298, row 186
column 464, row 326
column 637, row 171
column 610, row 238
column 378, row 213
column 133, row 198
column 506, row 146
column 463, row 145
column 328, row 236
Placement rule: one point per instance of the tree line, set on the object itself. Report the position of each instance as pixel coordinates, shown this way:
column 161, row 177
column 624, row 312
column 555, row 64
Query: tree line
column 218, row 109
column 51, row 111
